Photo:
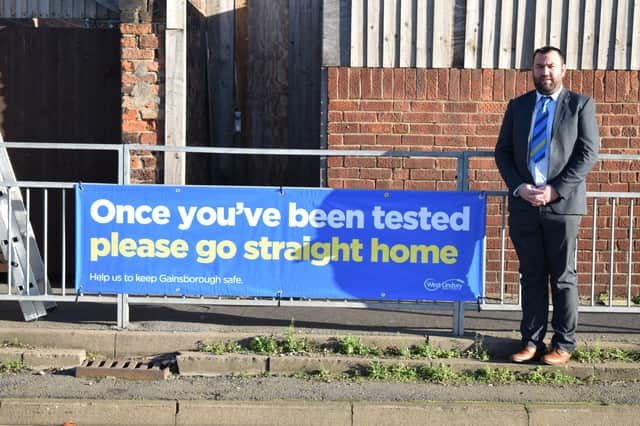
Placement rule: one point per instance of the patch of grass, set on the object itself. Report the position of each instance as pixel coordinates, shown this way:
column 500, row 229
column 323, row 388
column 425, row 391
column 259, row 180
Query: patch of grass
column 218, row 348
column 292, row 344
column 442, row 374
column 425, row 350
column 352, row 345
column 264, row 345
column 636, row 299
column 491, row 375
column 397, row 351
column 477, row 350
column 555, row 377
column 11, row 366
column 597, row 355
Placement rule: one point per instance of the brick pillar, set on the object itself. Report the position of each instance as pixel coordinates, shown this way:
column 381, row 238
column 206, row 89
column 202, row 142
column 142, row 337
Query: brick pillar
column 142, row 86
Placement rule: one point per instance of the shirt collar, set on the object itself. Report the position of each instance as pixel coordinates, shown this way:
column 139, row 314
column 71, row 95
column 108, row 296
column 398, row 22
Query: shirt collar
column 554, row 95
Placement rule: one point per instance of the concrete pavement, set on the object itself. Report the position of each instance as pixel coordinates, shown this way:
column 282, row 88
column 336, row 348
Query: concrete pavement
column 69, row 333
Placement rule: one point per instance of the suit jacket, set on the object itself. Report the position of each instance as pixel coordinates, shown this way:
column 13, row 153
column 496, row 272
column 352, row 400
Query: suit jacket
column 573, row 150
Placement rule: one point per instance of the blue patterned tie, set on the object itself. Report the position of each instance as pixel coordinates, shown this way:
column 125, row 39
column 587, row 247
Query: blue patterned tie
column 539, row 137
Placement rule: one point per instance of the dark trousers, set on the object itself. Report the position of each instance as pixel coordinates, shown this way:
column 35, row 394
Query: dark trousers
column 546, row 244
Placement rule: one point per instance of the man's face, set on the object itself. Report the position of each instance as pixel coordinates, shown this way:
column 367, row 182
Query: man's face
column 548, row 71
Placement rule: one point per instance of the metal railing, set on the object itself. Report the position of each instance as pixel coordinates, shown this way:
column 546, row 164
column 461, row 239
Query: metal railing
column 496, row 296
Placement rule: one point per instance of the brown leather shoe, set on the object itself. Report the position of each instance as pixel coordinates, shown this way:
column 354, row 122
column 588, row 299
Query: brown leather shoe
column 527, row 353
column 557, row 357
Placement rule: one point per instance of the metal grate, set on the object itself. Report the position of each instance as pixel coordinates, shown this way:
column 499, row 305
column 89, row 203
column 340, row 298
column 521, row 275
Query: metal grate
column 129, row 369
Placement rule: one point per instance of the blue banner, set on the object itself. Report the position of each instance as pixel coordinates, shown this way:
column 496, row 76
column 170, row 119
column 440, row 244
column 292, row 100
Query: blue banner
column 291, row 242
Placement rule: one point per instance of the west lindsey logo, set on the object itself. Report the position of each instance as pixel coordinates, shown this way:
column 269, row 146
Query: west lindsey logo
column 453, row 284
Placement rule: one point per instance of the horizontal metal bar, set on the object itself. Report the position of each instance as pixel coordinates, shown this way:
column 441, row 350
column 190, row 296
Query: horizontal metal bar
column 68, row 298
column 63, row 145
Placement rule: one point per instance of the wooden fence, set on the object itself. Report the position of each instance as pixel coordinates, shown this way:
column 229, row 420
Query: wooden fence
column 59, row 9
column 595, row 34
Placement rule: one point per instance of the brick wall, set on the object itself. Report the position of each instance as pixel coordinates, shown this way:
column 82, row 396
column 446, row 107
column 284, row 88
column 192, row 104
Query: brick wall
column 142, row 81
column 461, row 110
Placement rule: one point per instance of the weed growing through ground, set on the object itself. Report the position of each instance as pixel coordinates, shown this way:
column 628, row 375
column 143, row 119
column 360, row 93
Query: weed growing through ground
column 13, row 343
column 425, row 350
column 11, row 366
column 264, row 345
column 494, row 376
column 555, row 377
column 352, row 345
column 597, row 355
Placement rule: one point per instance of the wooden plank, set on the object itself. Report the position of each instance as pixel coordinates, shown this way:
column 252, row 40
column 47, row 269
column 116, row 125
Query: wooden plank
column 357, row 33
column 331, row 37
column 268, row 87
column 507, row 24
column 488, row 34
column 588, row 58
column 304, row 102
column 56, row 8
column 443, row 33
column 78, row 9
column 524, row 33
column 407, row 38
column 572, row 51
column 176, row 95
column 373, row 34
column 421, row 34
column 67, row 8
column 557, row 19
column 220, row 71
column 390, row 33
column 91, row 8
column 22, row 9
column 176, row 14
column 620, row 61
column 604, row 38
column 472, row 34
column 540, row 24
column 635, row 37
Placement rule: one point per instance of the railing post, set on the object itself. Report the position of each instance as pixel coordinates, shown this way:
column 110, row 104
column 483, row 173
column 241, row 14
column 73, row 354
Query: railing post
column 123, row 310
column 458, row 318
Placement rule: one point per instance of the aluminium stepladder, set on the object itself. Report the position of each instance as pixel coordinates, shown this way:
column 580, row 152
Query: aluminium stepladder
column 25, row 268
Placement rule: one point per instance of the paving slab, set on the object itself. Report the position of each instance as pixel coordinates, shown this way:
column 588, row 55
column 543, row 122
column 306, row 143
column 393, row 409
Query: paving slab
column 583, row 414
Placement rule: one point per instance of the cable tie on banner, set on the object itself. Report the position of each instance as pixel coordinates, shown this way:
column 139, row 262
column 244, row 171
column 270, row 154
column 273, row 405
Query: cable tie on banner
column 281, row 190
column 78, row 293
column 80, row 185
column 279, row 297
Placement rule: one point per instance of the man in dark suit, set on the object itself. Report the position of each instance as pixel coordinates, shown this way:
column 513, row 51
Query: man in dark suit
column 547, row 145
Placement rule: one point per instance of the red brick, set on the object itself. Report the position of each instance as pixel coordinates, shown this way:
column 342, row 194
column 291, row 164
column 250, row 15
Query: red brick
column 127, row 66
column 334, row 116
column 332, row 82
column 498, row 85
column 421, row 83
column 148, row 42
column 487, row 130
column 343, row 83
column 458, row 129
column 387, row 83
column 610, row 85
column 450, row 141
column 599, row 86
column 487, row 85
column 443, row 83
column 366, row 83
column 398, row 83
column 359, row 139
column 134, row 126
column 135, row 28
column 623, row 86
column 343, row 105
column 354, row 83
column 335, row 183
column 587, row 82
column 389, row 184
column 339, row 172
column 355, row 116
column 335, row 140
column 454, row 84
column 400, row 128
column 410, row 83
column 376, row 106
column 402, row 174
column 128, row 53
column 509, row 84
column 128, row 41
column 522, row 82
column 476, row 84
column 376, row 83
column 576, row 81
column 465, row 84
column 401, row 106
column 634, row 82
column 376, row 128
column 360, row 161
column 460, row 107
column 333, row 128
column 335, row 161
column 375, row 173
column 425, row 129
column 388, row 139
column 390, row 117
column 427, row 106
column 492, row 107
column 359, row 184
column 130, row 114
column 420, row 185
column 135, row 163
column 432, row 83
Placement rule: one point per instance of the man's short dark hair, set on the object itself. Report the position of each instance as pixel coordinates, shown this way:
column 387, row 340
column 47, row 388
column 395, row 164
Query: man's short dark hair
column 546, row 49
